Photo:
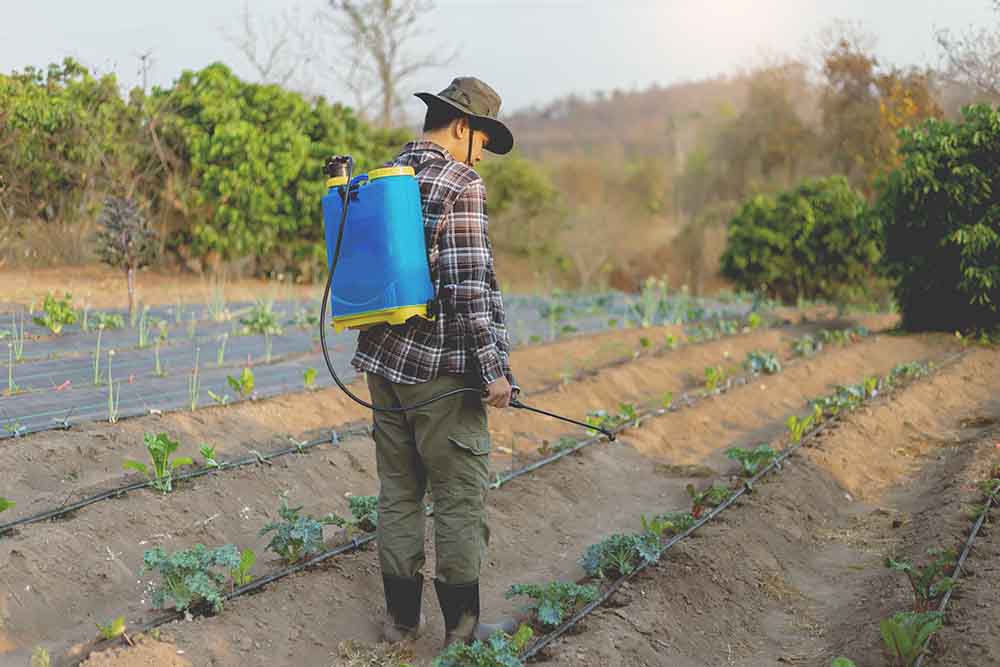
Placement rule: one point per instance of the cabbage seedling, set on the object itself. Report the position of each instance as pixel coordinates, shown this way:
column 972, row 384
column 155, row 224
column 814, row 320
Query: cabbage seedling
column 364, row 515
column 713, row 496
column 620, row 554
column 160, row 447
column 295, row 537
column 553, row 600
column 191, row 577
column 241, row 573
column 208, row 453
column 714, row 376
column 762, row 362
column 500, row 650
column 797, row 427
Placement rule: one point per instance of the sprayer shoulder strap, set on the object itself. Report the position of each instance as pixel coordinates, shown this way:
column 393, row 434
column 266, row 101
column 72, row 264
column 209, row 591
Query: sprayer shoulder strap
column 433, row 249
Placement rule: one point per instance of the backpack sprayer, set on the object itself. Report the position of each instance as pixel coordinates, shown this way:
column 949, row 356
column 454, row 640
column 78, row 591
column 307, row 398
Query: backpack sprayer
column 383, row 256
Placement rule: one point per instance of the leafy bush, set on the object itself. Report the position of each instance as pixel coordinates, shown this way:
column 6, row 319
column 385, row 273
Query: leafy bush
column 906, row 632
column 553, row 600
column 364, row 515
column 619, row 555
column 940, row 222
column 160, row 447
column 500, row 650
column 812, row 242
column 192, row 576
column 56, row 313
column 295, row 537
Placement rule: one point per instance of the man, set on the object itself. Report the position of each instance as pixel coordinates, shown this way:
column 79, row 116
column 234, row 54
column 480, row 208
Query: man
column 447, row 443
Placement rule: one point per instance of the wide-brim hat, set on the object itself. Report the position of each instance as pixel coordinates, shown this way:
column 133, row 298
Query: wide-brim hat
column 477, row 100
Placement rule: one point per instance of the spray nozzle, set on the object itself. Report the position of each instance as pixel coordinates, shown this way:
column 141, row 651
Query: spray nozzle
column 338, row 166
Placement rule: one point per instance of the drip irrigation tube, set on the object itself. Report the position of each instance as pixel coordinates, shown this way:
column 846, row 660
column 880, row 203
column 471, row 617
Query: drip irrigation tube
column 537, row 646
column 252, row 459
column 957, row 572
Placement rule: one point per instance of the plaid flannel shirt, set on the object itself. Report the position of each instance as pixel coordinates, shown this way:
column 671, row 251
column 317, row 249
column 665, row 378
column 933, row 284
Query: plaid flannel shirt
column 470, row 334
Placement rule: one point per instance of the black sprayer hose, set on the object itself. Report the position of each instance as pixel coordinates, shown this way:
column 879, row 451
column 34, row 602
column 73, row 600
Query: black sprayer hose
column 403, row 408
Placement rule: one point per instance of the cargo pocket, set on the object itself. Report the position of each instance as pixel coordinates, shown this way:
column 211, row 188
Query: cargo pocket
column 478, row 445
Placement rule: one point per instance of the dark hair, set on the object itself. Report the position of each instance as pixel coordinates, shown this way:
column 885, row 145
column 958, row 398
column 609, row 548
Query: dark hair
column 440, row 115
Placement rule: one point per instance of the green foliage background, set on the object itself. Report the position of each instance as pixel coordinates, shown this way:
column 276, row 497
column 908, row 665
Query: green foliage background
column 941, row 217
column 813, row 241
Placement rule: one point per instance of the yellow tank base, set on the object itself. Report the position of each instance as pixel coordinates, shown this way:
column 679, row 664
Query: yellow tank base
column 362, row 321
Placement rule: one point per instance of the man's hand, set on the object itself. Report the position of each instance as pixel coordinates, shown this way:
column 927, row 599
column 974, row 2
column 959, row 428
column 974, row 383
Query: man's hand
column 498, row 393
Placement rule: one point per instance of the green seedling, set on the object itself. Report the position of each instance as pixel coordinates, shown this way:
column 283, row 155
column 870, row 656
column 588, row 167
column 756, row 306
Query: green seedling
column 109, row 320
column 17, row 327
column 261, row 320
column 243, row 384
column 752, row 460
column 620, row 555
column 6, row 504
column 114, row 393
column 670, row 341
column 40, row 657
column 906, row 633
column 551, row 602
column 309, row 379
column 143, row 328
column 56, row 313
column 627, row 412
column 667, row 400
column 194, row 381
column 364, row 515
column 644, row 342
column 160, row 447
column 241, row 573
column 191, row 577
column 295, row 537
column 158, row 370
column 928, row 582
column 754, row 321
column 97, row 356
column 222, row 400
column 305, row 318
column 208, row 453
column 871, row 387
column 842, row 662
column 500, row 650
column 217, row 303
column 806, row 346
column 220, row 353
column 711, row 497
column 715, row 376
column 762, row 362
column 112, row 630
column 797, row 427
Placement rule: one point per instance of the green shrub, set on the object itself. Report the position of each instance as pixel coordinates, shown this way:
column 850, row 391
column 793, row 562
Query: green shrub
column 812, row 242
column 192, row 576
column 941, row 224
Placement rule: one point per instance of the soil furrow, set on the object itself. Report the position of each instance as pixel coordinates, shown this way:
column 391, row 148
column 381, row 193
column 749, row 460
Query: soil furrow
column 540, row 528
column 794, row 574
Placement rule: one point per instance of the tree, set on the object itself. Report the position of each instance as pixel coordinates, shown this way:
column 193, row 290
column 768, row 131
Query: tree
column 941, row 226
column 279, row 49
column 125, row 240
column 377, row 55
column 973, row 57
column 813, row 241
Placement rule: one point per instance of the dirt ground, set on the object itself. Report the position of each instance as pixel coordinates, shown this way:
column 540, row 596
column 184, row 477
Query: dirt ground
column 63, row 577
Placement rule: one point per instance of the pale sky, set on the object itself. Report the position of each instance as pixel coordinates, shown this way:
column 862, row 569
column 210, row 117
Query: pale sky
column 531, row 51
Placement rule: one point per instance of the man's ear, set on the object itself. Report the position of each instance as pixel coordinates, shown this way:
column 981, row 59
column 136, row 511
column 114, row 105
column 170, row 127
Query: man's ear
column 460, row 127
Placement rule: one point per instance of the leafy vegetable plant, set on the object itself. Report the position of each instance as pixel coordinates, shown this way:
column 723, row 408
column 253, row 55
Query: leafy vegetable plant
column 714, row 377
column 191, row 577
column 364, row 515
column 906, row 632
column 500, row 650
column 620, row 554
column 762, row 362
column 713, row 496
column 109, row 320
column 806, row 346
column 115, row 628
column 797, row 427
column 208, row 453
column 752, row 460
column 56, row 313
column 842, row 662
column 243, row 384
column 261, row 320
column 309, row 378
column 295, row 537
column 241, row 573
column 160, row 447
column 928, row 582
column 551, row 601
column 6, row 504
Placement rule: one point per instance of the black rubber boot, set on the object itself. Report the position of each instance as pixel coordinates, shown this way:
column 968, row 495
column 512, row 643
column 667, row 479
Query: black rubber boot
column 460, row 606
column 402, row 606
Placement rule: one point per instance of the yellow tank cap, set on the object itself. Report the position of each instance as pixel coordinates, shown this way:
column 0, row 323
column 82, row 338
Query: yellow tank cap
column 390, row 171
column 337, row 180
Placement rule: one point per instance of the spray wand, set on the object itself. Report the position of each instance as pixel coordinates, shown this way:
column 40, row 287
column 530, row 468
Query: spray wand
column 343, row 166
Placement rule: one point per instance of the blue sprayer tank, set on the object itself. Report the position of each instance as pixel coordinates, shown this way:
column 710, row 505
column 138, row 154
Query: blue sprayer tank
column 382, row 275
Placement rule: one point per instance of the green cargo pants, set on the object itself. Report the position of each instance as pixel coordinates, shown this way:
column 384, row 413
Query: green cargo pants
column 446, row 443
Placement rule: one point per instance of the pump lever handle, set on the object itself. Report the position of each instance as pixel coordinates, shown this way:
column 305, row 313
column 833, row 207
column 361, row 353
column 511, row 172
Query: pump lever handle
column 515, row 403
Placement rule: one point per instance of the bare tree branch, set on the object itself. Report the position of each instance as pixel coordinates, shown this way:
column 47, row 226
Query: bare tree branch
column 381, row 36
column 973, row 57
column 278, row 49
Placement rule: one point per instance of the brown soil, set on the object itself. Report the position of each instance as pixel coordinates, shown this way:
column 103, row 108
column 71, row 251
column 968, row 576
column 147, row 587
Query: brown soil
column 794, row 574
column 147, row 652
column 63, row 577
